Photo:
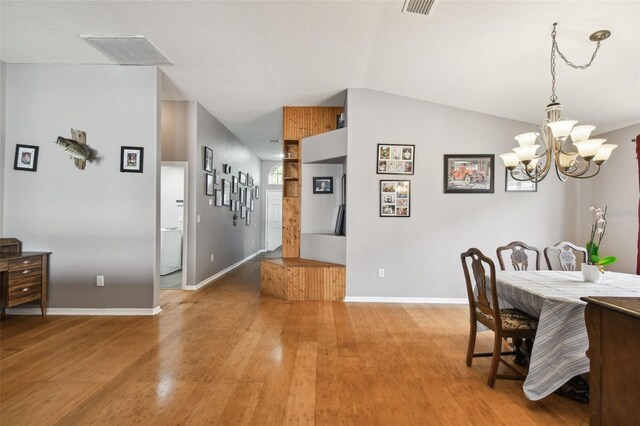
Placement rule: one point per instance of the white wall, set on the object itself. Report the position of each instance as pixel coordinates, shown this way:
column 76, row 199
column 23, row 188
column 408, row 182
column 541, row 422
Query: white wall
column 172, row 189
column 3, row 97
column 421, row 254
column 98, row 221
column 616, row 187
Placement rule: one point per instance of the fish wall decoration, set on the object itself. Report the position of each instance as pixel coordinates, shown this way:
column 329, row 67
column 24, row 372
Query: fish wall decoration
column 77, row 148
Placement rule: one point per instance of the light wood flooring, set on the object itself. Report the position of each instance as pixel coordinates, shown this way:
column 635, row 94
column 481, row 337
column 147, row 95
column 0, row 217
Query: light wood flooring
column 226, row 355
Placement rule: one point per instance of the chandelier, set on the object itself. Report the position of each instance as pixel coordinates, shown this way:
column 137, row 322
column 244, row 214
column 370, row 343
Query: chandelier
column 554, row 133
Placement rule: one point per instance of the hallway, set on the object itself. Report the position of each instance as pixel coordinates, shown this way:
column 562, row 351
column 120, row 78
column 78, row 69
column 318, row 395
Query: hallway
column 226, row 355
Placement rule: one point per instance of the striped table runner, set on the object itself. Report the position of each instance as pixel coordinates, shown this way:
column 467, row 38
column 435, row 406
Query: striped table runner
column 561, row 339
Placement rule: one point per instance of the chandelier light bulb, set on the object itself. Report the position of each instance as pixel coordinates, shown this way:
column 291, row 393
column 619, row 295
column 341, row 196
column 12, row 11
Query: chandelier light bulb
column 527, row 139
column 526, row 153
column 581, row 133
column 589, row 148
column 561, row 129
column 566, row 159
column 604, row 153
column 510, row 160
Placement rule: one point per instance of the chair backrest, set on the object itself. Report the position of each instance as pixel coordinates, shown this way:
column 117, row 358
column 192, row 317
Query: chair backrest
column 485, row 296
column 10, row 246
column 562, row 256
column 519, row 257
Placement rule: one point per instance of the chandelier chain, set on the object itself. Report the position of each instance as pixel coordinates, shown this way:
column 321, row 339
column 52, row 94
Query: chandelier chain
column 554, row 49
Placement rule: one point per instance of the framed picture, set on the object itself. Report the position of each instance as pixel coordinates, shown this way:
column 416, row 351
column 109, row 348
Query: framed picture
column 251, row 204
column 208, row 183
column 513, row 185
column 131, row 159
column 323, row 185
column 248, row 218
column 208, row 159
column 256, row 192
column 233, row 204
column 395, row 198
column 395, row 159
column 237, row 206
column 234, row 184
column 243, row 212
column 241, row 191
column 243, row 178
column 226, row 168
column 247, row 196
column 26, row 158
column 216, row 175
column 226, row 192
column 218, row 194
column 339, row 229
column 468, row 173
column 249, row 180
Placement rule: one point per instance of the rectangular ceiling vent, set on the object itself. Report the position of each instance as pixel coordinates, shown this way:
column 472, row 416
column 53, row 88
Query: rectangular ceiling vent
column 418, row 6
column 127, row 50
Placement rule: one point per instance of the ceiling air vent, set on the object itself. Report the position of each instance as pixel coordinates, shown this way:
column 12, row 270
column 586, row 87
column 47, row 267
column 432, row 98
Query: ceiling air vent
column 275, row 141
column 127, row 50
column 418, row 6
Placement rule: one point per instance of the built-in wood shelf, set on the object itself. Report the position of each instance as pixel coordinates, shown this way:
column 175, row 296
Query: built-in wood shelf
column 290, row 178
column 290, row 160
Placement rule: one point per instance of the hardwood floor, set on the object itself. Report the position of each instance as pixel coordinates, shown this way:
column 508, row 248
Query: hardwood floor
column 226, row 355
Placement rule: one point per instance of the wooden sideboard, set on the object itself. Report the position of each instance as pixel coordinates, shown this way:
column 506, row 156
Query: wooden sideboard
column 613, row 324
column 24, row 276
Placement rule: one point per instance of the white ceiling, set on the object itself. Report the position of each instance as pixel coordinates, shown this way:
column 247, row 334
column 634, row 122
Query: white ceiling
column 244, row 60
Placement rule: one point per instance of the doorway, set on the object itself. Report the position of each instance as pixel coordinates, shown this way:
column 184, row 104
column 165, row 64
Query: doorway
column 273, row 219
column 173, row 224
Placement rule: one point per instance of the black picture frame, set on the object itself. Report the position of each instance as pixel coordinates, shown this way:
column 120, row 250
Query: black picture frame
column 395, row 159
column 339, row 222
column 234, row 184
column 226, row 192
column 131, row 159
column 226, row 168
column 248, row 218
column 218, row 197
column 243, row 212
column 209, row 184
column 395, row 198
column 26, row 158
column 242, row 177
column 216, row 175
column 323, row 185
column 469, row 173
column 513, row 185
column 207, row 163
column 256, row 192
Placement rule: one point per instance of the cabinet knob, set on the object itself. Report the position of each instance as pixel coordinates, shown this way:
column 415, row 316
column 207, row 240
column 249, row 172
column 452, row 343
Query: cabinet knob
column 26, row 271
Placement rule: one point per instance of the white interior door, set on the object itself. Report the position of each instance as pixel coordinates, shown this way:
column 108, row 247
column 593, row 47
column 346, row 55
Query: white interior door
column 274, row 220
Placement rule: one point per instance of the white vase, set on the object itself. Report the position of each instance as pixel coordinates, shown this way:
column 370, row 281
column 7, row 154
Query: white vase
column 591, row 273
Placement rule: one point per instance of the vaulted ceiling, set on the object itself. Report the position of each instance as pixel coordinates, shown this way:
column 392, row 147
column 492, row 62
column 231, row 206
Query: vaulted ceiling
column 244, row 60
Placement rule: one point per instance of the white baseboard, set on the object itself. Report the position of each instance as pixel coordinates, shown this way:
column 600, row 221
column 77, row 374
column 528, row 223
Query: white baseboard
column 214, row 277
column 86, row 311
column 426, row 300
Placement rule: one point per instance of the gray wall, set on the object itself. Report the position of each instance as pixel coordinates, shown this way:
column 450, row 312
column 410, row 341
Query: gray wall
column 616, row 186
column 421, row 254
column 3, row 74
column 98, row 221
column 319, row 212
column 266, row 167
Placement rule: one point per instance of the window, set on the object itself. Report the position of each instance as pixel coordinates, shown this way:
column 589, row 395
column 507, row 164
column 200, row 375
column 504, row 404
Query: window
column 275, row 175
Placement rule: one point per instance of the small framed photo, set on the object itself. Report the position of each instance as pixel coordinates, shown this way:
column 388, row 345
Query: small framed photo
column 248, row 218
column 241, row 191
column 233, row 204
column 26, row 158
column 323, row 185
column 468, row 173
column 247, row 196
column 234, row 184
column 515, row 185
column 208, row 159
column 395, row 159
column 216, row 175
column 208, row 183
column 251, row 204
column 249, row 180
column 236, row 206
column 395, row 198
column 218, row 197
column 131, row 159
column 256, row 192
column 226, row 168
column 243, row 212
column 242, row 178
column 226, row 192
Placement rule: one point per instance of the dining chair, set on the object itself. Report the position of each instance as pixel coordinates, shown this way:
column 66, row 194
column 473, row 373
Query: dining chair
column 519, row 256
column 485, row 309
column 565, row 259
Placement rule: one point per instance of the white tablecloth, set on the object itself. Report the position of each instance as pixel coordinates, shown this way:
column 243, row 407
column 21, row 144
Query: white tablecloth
column 561, row 339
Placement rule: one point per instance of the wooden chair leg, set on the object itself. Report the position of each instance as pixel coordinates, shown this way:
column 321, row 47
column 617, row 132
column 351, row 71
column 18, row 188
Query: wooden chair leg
column 495, row 360
column 472, row 342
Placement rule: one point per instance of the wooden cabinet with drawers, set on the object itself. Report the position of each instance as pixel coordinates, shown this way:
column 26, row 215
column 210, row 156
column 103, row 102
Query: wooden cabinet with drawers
column 24, row 278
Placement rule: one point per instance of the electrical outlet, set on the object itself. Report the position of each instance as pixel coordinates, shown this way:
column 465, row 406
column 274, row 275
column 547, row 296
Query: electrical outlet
column 212, row 257
column 210, row 202
column 100, row 280
column 198, row 218
column 381, row 273
column 253, row 242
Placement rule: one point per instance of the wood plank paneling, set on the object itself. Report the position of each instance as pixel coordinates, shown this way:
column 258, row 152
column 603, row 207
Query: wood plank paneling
column 302, row 122
column 290, row 227
column 301, row 279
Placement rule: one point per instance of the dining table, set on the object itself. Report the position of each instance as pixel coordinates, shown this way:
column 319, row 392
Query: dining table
column 561, row 342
